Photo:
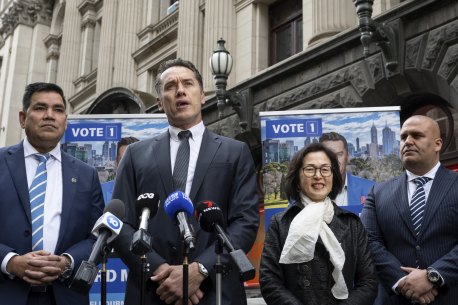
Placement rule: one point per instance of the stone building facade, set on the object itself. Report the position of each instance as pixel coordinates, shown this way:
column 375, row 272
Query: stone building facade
column 105, row 53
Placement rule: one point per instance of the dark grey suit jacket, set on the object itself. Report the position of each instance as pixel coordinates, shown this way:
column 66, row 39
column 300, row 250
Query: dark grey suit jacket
column 224, row 174
column 387, row 218
column 82, row 205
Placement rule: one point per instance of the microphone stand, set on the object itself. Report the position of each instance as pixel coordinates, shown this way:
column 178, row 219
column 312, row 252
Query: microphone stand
column 185, row 273
column 145, row 269
column 219, row 267
column 103, row 275
column 141, row 244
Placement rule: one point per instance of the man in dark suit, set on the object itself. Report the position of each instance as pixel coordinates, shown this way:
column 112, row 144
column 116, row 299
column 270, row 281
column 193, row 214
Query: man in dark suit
column 220, row 169
column 412, row 223
column 42, row 246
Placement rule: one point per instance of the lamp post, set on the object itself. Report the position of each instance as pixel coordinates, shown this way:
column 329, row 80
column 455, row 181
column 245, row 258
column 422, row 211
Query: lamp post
column 221, row 66
column 385, row 36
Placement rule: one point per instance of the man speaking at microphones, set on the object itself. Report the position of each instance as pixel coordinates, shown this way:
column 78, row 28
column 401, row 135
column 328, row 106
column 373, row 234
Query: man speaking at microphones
column 203, row 165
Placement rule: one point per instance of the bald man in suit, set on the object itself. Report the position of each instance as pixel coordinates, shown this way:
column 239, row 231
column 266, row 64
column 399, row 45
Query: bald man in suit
column 411, row 221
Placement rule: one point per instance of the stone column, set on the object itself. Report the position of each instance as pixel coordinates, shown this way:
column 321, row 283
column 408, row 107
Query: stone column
column 107, row 46
column 219, row 23
column 327, row 17
column 190, row 33
column 24, row 26
column 129, row 21
column 151, row 12
column 52, row 42
column 20, row 43
column 68, row 70
column 248, row 40
column 87, row 28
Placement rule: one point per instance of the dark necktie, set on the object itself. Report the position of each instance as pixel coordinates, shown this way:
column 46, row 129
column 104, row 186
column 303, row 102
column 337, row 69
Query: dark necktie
column 180, row 171
column 418, row 203
column 37, row 194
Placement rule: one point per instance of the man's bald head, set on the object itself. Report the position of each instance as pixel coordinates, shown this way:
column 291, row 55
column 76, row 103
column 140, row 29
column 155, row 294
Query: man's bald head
column 420, row 144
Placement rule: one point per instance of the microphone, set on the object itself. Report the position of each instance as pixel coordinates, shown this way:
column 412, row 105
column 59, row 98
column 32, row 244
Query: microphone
column 146, row 206
column 179, row 206
column 210, row 218
column 106, row 229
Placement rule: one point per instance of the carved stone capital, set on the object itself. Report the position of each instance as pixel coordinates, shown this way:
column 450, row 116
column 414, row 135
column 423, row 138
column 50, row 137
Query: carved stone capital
column 53, row 42
column 89, row 20
column 53, row 53
column 27, row 12
column 89, row 5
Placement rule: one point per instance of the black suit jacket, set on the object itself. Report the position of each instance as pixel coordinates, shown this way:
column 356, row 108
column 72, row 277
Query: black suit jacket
column 393, row 242
column 82, row 205
column 224, row 174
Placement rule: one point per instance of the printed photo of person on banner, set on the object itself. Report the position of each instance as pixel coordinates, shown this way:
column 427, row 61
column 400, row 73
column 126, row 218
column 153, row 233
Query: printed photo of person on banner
column 354, row 188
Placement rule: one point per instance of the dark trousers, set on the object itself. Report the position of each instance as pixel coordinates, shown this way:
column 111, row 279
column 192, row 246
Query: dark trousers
column 41, row 298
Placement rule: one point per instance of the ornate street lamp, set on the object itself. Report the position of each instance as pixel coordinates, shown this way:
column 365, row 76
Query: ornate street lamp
column 221, row 66
column 383, row 35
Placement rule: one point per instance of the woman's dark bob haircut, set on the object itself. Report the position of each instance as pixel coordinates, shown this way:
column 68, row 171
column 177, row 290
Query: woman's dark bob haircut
column 292, row 182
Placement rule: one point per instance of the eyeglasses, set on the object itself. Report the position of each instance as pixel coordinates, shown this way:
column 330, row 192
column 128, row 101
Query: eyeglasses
column 310, row 171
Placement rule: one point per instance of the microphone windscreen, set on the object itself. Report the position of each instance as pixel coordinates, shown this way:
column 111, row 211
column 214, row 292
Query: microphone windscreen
column 178, row 202
column 208, row 214
column 115, row 207
column 149, row 201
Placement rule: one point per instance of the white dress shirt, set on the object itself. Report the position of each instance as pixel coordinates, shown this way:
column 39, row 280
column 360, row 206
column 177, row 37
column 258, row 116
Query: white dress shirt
column 412, row 187
column 342, row 197
column 194, row 146
column 53, row 197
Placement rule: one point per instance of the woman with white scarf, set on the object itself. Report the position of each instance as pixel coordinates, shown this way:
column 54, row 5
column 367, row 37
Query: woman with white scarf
column 316, row 253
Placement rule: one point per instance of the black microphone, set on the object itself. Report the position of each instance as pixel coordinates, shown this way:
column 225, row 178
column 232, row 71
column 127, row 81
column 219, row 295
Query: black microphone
column 106, row 229
column 210, row 218
column 146, row 206
column 179, row 206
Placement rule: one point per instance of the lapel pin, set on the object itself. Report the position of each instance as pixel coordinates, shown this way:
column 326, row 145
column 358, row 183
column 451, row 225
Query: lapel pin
column 74, row 180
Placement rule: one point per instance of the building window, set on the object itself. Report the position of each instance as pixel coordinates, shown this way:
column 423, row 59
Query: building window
column 173, row 6
column 285, row 27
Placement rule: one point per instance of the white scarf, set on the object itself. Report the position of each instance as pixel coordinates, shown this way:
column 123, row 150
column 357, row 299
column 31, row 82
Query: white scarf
column 303, row 233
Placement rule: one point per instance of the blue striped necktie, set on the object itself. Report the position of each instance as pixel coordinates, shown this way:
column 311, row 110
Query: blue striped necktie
column 37, row 194
column 180, row 171
column 418, row 203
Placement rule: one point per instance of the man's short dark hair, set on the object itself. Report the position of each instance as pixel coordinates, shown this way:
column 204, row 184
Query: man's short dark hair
column 124, row 142
column 178, row 62
column 292, row 180
column 333, row 136
column 30, row 89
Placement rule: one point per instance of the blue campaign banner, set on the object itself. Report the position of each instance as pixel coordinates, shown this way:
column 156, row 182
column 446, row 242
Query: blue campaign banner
column 293, row 128
column 369, row 150
column 89, row 132
column 116, row 281
column 94, row 139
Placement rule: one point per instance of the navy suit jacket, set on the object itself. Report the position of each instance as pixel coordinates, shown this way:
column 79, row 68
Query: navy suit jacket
column 393, row 242
column 82, row 205
column 224, row 174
